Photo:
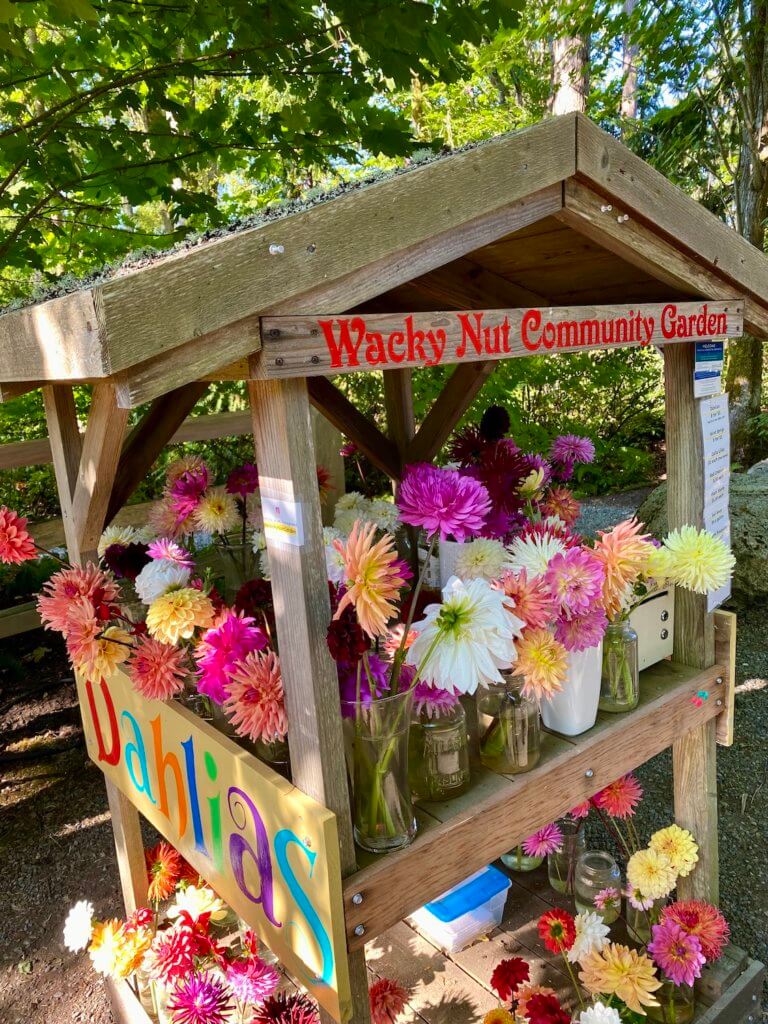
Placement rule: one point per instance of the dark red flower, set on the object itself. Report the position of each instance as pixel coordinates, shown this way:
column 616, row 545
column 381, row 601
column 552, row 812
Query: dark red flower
column 558, row 930
column 142, row 917
column 324, row 482
column 243, row 480
column 346, row 639
column 467, row 446
column 347, row 449
column 254, row 598
column 296, row 1008
column 126, row 560
column 508, row 975
column 544, row 1009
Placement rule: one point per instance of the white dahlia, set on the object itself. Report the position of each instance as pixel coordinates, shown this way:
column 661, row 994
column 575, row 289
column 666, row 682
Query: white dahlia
column 157, row 577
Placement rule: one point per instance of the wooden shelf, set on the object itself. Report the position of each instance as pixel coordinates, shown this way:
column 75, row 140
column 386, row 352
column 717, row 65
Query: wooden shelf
column 460, row 836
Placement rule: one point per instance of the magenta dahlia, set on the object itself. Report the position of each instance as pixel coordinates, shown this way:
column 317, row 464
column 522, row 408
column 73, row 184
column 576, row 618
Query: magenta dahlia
column 442, row 501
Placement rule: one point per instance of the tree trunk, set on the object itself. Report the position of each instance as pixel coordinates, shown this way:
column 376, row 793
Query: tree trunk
column 744, row 377
column 630, row 51
column 570, row 74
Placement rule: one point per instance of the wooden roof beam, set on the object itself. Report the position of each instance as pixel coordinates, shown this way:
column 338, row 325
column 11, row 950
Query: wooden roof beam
column 612, row 170
column 338, row 409
column 148, row 438
column 459, row 392
column 585, row 211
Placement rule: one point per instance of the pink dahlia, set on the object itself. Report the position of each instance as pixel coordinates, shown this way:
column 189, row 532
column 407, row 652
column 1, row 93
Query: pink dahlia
column 620, row 798
column 16, row 545
column 547, row 840
column 251, row 980
column 171, row 955
column 677, row 953
column 608, row 899
column 582, row 631
column 187, row 490
column 243, row 480
column 575, row 580
column 164, row 549
column 200, row 998
column 702, row 920
column 64, row 587
column 442, row 501
column 572, row 448
column 157, row 670
column 433, row 700
column 387, row 1000
column 231, row 638
column 255, row 702
column 581, row 810
column 531, row 600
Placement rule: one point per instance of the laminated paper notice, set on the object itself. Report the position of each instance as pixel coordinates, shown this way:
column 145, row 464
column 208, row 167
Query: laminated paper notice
column 283, row 521
column 716, row 436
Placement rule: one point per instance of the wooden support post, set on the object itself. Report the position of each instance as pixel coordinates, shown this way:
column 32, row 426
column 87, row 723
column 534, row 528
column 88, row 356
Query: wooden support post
column 282, row 434
column 85, row 471
column 398, row 402
column 328, row 442
column 694, row 754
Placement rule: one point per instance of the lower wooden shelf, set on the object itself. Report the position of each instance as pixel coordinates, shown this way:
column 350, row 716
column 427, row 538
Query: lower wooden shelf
column 460, row 836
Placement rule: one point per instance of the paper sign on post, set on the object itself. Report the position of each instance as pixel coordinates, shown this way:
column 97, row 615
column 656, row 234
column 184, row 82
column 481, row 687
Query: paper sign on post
column 716, row 444
column 708, row 368
column 283, row 521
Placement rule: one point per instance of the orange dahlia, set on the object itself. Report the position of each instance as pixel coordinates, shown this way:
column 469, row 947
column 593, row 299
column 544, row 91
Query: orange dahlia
column 702, row 920
column 543, row 661
column 373, row 575
column 164, row 868
column 624, row 553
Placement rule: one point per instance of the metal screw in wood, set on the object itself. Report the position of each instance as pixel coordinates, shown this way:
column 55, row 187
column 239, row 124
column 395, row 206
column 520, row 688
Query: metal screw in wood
column 589, row 773
column 357, row 898
column 359, row 930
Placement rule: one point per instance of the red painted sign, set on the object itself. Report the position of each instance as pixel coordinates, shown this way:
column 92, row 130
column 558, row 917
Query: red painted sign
column 306, row 345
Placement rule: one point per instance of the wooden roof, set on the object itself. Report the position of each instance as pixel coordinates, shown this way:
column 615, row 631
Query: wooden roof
column 557, row 214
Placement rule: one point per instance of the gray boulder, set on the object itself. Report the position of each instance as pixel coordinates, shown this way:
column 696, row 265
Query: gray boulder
column 749, row 531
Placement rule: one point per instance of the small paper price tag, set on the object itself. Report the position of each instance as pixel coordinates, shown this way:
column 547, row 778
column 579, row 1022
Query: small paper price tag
column 283, row 521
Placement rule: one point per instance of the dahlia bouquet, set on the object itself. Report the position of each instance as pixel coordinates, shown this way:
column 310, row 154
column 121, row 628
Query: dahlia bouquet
column 189, row 640
column 190, row 960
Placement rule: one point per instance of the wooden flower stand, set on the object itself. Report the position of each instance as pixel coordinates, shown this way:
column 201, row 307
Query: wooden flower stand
column 553, row 240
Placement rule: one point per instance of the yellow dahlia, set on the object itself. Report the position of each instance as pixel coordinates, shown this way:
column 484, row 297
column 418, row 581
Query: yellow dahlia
column 543, row 661
column 652, row 873
column 216, row 512
column 107, row 941
column 373, row 574
column 133, row 946
column 624, row 553
column 623, row 972
column 699, row 561
column 679, row 845
column 98, row 659
column 659, row 564
column 498, row 1015
column 175, row 615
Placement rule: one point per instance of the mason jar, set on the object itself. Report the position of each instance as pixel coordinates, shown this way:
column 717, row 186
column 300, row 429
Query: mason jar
column 518, row 860
column 439, row 754
column 561, row 865
column 676, row 1004
column 509, row 726
column 620, row 677
column 596, row 871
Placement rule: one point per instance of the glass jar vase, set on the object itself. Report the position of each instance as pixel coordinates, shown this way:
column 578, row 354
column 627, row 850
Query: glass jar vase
column 377, row 735
column 597, row 871
column 620, row 677
column 640, row 922
column 509, row 726
column 517, row 860
column 676, row 1004
column 439, row 754
column 561, row 865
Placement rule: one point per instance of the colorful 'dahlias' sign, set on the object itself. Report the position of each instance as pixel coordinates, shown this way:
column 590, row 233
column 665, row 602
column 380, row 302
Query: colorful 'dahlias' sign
column 306, row 346
column 267, row 849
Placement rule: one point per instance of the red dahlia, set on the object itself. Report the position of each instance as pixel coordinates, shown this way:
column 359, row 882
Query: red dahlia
column 507, row 977
column 558, row 930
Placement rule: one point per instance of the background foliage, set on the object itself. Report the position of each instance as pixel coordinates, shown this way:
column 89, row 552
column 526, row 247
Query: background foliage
column 131, row 123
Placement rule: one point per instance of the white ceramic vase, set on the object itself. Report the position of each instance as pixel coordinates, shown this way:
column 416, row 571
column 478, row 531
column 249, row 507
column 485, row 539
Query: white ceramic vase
column 574, row 709
column 449, row 552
